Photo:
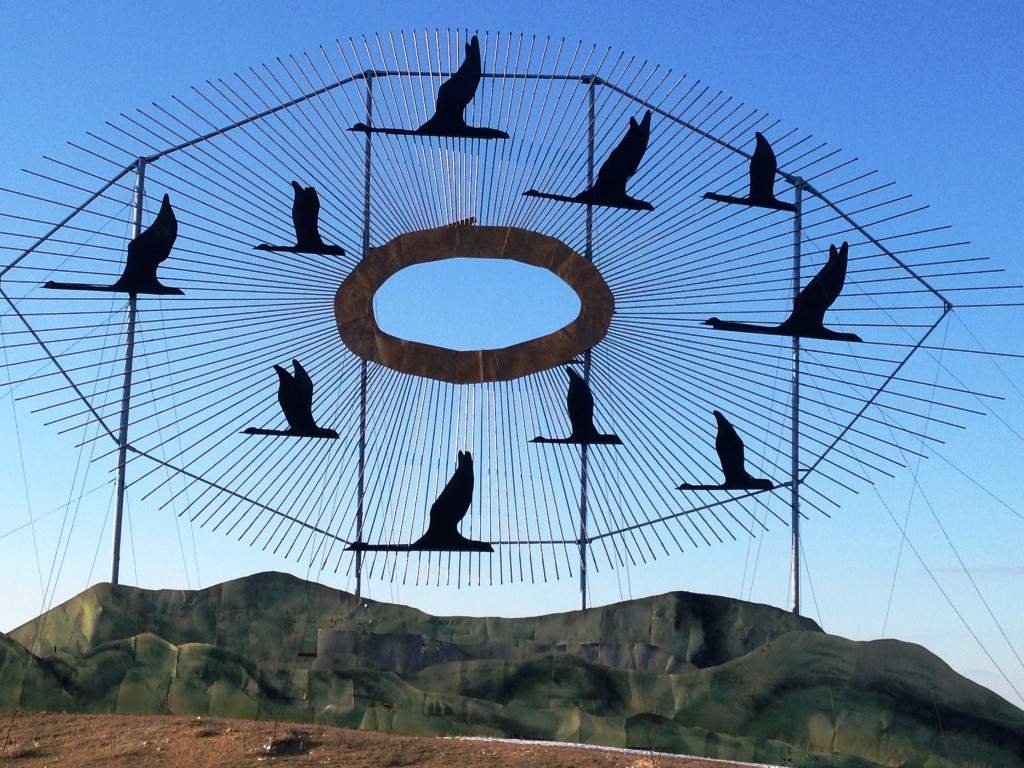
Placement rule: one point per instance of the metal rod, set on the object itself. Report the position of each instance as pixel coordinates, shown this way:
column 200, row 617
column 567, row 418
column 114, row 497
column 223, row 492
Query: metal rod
column 126, row 386
column 874, row 241
column 883, row 386
column 589, row 253
column 363, row 365
column 794, row 478
column 66, row 219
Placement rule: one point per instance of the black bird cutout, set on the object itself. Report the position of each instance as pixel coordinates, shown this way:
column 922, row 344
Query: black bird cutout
column 145, row 253
column 580, row 406
column 808, row 316
column 295, row 394
column 446, row 513
column 763, row 166
column 306, row 220
column 609, row 187
column 730, row 455
column 453, row 97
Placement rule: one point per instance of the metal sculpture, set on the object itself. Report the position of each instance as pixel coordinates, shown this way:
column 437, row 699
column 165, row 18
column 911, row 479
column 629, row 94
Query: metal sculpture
column 579, row 404
column 609, row 190
column 807, row 320
column 295, row 394
column 454, row 95
column 763, row 167
column 644, row 283
column 446, row 513
column 306, row 220
column 729, row 447
column 146, row 252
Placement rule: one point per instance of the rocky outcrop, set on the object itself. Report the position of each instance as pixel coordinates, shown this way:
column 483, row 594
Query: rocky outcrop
column 677, row 672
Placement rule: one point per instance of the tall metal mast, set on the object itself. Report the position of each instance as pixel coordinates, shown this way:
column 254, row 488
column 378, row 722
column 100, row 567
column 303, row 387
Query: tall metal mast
column 363, row 365
column 126, row 385
column 794, row 476
column 586, row 355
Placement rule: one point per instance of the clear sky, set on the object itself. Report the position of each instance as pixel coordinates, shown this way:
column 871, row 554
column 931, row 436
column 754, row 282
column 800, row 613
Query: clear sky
column 929, row 95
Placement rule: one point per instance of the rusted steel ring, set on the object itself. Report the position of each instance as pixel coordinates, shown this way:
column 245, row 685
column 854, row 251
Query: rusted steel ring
column 353, row 304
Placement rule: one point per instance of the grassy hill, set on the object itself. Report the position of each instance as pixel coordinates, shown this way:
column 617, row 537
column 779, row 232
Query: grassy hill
column 676, row 672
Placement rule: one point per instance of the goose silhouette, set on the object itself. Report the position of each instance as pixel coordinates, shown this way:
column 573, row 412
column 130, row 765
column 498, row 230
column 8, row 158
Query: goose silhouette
column 295, row 394
column 451, row 506
column 453, row 96
column 145, row 253
column 763, row 166
column 306, row 220
column 808, row 316
column 609, row 187
column 729, row 447
column 580, row 407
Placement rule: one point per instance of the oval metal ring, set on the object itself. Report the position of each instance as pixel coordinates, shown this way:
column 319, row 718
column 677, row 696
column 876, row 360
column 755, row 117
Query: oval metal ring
column 353, row 304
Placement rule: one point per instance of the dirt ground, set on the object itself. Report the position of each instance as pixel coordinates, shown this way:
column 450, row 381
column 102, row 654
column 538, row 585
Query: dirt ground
column 70, row 741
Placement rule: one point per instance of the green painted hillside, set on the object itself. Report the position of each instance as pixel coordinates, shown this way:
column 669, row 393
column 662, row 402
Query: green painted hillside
column 677, row 672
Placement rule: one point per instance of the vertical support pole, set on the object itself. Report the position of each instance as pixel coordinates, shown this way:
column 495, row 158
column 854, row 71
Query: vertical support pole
column 126, row 385
column 589, row 254
column 794, row 475
column 363, row 365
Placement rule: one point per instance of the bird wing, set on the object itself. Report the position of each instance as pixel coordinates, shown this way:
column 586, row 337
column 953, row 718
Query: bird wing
column 306, row 214
column 295, row 394
column 455, row 94
column 303, row 383
column 763, row 166
column 624, row 160
column 819, row 294
column 453, row 502
column 580, row 405
column 153, row 245
column 730, row 451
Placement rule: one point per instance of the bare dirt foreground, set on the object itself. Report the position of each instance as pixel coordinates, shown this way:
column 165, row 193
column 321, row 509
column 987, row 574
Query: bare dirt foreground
column 49, row 739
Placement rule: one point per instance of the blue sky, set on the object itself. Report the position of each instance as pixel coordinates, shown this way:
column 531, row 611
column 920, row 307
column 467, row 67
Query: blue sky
column 930, row 97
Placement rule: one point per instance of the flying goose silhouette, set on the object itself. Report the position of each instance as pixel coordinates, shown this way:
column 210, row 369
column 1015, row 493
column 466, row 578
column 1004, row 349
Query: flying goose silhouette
column 295, row 394
column 580, row 407
column 763, row 166
column 729, row 447
column 453, row 96
column 145, row 253
column 808, row 316
column 609, row 187
column 306, row 220
column 446, row 513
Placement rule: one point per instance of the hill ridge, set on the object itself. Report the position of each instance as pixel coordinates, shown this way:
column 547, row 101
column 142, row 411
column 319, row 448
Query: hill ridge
column 679, row 672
